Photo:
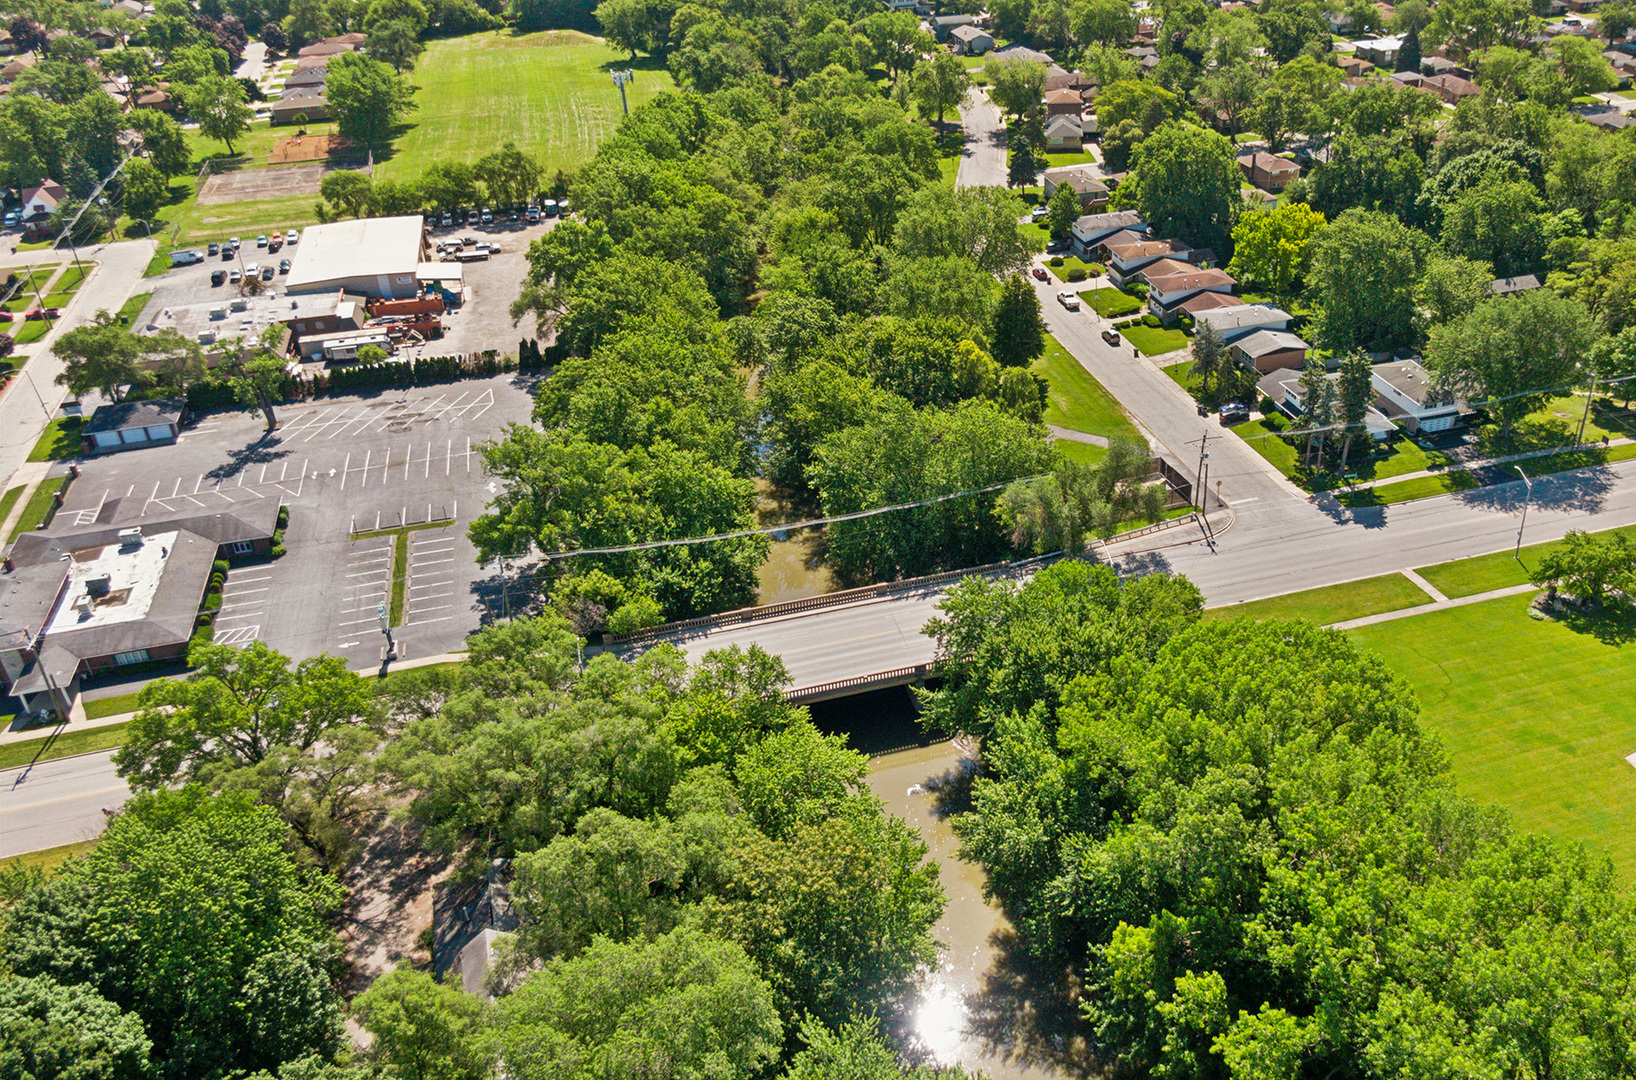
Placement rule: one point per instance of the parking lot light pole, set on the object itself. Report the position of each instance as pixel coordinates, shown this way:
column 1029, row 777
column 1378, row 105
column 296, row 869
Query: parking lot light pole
column 1517, row 554
column 386, row 628
column 621, row 78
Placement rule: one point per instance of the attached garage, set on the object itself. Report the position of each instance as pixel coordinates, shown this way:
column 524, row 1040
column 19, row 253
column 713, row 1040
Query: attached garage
column 132, row 424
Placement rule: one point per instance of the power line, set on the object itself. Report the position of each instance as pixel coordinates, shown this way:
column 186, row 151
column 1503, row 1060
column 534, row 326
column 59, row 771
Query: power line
column 790, row 526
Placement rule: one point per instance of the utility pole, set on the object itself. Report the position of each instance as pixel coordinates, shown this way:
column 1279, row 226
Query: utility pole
column 1517, row 554
column 621, row 78
column 1198, row 477
column 1583, row 420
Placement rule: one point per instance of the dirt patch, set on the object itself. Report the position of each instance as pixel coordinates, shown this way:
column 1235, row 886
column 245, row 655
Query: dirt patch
column 309, row 148
column 389, row 903
column 248, row 185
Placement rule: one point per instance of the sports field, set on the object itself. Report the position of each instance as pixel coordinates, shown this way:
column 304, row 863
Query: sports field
column 1535, row 716
column 550, row 93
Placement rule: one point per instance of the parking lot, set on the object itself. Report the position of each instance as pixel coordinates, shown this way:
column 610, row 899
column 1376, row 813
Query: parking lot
column 342, row 465
column 483, row 321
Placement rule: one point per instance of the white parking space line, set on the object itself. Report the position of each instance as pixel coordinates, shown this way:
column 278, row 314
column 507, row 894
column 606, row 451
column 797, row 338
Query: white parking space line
column 423, row 622
column 423, row 599
column 238, row 635
column 437, row 562
column 344, row 467
column 233, row 618
column 246, row 592
column 251, row 580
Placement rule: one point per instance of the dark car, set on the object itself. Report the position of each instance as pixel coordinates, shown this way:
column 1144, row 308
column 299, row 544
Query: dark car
column 1057, row 245
column 227, row 253
column 1234, row 413
column 213, row 249
column 284, row 266
column 1111, row 336
column 468, row 241
column 267, row 272
column 218, row 276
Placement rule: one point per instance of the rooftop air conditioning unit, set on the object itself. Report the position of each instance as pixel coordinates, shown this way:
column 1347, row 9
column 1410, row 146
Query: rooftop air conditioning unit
column 130, row 538
column 99, row 585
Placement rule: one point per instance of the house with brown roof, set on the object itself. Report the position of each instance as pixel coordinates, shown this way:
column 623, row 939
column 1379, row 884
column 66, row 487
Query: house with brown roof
column 1451, row 88
column 1270, row 350
column 1165, row 295
column 1064, row 133
column 1268, row 171
column 42, row 200
column 1093, row 193
column 1063, row 102
column 1125, row 261
column 1093, row 230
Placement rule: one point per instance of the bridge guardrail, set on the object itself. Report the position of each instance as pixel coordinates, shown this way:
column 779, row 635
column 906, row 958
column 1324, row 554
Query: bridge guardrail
column 865, row 592
column 858, row 682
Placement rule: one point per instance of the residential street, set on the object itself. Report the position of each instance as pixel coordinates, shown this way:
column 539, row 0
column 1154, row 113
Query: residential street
column 982, row 162
column 57, row 802
column 24, row 412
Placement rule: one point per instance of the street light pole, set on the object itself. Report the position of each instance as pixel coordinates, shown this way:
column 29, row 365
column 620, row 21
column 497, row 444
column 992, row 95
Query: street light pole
column 1517, row 554
column 386, row 628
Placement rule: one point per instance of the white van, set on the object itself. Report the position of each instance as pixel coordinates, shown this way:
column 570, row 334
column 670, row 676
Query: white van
column 185, row 258
column 1069, row 300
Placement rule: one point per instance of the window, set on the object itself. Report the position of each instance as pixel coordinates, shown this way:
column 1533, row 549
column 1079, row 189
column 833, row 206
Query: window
column 134, row 435
column 136, row 656
column 161, row 431
column 240, row 547
column 106, row 438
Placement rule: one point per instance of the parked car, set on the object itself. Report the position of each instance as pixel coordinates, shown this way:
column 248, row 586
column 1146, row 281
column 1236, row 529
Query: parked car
column 562, row 207
column 185, row 258
column 471, row 217
column 261, row 241
column 549, row 208
column 1039, row 272
column 446, row 219
column 1111, row 336
column 487, row 216
column 267, row 272
column 235, row 243
column 274, row 242
column 468, row 241
column 217, row 277
column 1068, row 299
column 533, row 215
column 252, row 269
column 1057, row 245
column 1235, row 412
column 213, row 249
column 36, row 314
column 13, row 219
column 291, row 237
column 1039, row 212
column 6, row 316
column 234, row 276
column 284, row 266
column 227, row 252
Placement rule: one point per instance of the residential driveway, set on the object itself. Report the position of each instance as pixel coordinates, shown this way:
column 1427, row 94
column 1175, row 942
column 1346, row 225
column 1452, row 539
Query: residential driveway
column 254, row 64
column 982, row 162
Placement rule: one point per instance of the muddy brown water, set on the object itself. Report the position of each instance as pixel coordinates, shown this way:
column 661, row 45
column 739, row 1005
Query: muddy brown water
column 983, row 1008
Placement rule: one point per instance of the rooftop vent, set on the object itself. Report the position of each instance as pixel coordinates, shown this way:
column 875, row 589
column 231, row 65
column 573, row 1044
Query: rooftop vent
column 129, row 539
column 99, row 585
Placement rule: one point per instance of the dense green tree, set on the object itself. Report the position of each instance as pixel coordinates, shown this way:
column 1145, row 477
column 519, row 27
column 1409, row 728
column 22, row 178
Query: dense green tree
column 349, row 191
column 217, row 104
column 1362, row 279
column 981, row 224
column 145, row 189
column 423, row 1029
column 1293, row 28
column 895, row 40
column 1185, row 181
column 1450, row 286
column 367, row 98
column 1587, row 565
column 1230, row 93
column 1080, row 502
column 181, row 912
column 1023, row 168
column 941, row 84
column 687, row 1000
column 394, row 43
column 1103, row 21
column 163, row 141
column 1019, row 331
column 48, row 1030
column 1511, row 353
column 1211, row 361
column 1354, row 394
column 1500, row 222
column 1015, row 85
column 102, row 355
column 807, row 405
column 1472, row 25
column 509, row 175
column 1062, row 211
column 1271, row 248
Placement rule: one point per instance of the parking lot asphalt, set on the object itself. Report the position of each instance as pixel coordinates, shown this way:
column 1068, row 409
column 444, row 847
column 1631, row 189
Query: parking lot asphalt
column 342, row 465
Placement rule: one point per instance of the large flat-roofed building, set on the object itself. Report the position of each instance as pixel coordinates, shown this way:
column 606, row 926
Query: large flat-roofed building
column 378, row 257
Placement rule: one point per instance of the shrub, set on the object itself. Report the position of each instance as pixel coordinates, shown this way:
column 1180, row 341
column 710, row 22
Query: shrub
column 283, row 517
column 1151, row 320
column 206, row 618
column 202, row 636
column 219, row 568
column 212, row 601
column 276, row 551
column 1056, row 260
column 217, row 581
column 638, row 614
column 1076, row 274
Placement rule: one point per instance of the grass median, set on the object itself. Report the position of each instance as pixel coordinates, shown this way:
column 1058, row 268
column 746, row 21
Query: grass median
column 1333, row 603
column 67, row 743
column 1079, row 403
column 1501, row 570
column 40, row 507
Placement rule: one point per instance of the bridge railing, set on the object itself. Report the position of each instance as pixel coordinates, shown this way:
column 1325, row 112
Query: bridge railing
column 913, row 673
column 865, row 592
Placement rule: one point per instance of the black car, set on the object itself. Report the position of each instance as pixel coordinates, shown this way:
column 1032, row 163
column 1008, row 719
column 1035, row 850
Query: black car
column 218, row 276
column 227, row 253
column 213, row 249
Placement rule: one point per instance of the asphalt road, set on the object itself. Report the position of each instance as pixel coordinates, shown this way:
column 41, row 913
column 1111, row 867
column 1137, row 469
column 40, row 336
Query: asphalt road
column 31, row 399
column 982, row 162
column 57, row 802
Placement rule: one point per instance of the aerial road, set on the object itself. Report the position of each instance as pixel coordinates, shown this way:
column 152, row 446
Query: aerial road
column 57, row 802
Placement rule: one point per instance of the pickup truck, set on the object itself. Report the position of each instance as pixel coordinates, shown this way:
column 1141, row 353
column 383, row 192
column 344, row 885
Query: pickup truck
column 1068, row 299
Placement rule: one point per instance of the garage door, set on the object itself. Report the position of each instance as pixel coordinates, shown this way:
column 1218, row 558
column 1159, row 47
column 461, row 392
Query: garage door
column 160, row 431
column 106, row 438
column 134, row 435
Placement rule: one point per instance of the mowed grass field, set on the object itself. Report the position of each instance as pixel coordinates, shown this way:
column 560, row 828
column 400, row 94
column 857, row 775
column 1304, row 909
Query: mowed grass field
column 551, row 93
column 1535, row 716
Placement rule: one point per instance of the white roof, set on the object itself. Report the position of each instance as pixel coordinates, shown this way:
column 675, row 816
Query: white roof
column 1234, row 318
column 440, row 271
column 133, row 579
column 367, row 247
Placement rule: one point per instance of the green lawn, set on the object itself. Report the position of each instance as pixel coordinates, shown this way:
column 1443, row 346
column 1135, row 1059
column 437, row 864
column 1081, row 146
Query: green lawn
column 30, row 332
column 1109, row 302
column 1484, row 573
column 49, row 859
column 65, row 744
column 1535, row 716
column 97, row 708
column 1333, row 603
column 1422, row 487
column 1154, row 341
column 1079, row 452
column 1078, row 402
column 1262, row 437
column 133, row 307
column 1083, row 157
column 551, row 93
column 71, row 279
column 61, row 439
column 9, row 499
column 1074, row 262
column 39, row 507
column 1374, row 462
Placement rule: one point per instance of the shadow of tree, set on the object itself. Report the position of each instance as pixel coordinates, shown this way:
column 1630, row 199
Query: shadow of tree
column 263, row 450
column 388, row 900
column 1614, row 623
column 1028, row 1013
column 1584, row 488
column 951, row 789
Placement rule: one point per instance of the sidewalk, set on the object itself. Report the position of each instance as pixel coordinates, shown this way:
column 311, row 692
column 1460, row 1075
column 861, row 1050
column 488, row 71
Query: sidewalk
column 31, row 475
column 1437, row 605
column 1486, row 463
